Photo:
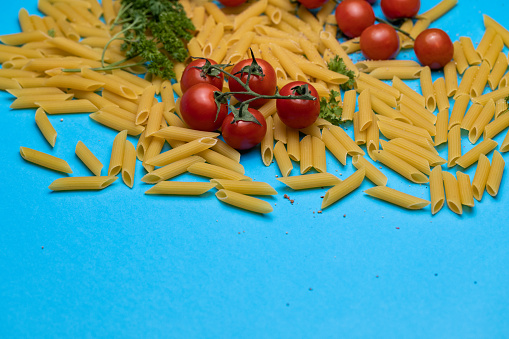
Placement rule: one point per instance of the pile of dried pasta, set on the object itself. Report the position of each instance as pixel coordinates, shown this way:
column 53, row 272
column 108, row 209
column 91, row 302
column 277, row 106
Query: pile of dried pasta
column 298, row 47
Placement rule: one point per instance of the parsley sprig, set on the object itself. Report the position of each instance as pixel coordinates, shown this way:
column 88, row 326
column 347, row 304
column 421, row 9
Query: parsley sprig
column 338, row 65
column 330, row 109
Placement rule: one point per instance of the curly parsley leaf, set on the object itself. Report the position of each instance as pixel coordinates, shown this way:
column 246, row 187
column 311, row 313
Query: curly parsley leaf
column 330, row 109
column 338, row 65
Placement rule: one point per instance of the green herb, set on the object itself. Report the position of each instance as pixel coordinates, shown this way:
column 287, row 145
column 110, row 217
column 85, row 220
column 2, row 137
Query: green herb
column 338, row 65
column 51, row 32
column 331, row 109
column 155, row 31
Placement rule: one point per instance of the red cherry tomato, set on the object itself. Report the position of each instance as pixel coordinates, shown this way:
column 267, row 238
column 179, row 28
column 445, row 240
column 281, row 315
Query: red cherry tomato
column 232, row 3
column 379, row 42
column 243, row 135
column 354, row 16
column 310, row 4
column 193, row 75
column 298, row 113
column 199, row 109
column 433, row 48
column 399, row 9
column 262, row 84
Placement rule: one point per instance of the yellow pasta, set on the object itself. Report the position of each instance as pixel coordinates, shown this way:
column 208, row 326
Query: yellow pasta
column 110, row 84
column 45, row 126
column 218, row 15
column 371, row 172
column 495, row 95
column 442, row 127
column 215, row 172
column 129, row 164
column 381, row 94
column 499, row 29
column 495, row 174
column 397, row 197
column 293, row 144
column 181, row 152
column 365, row 111
column 486, row 40
column 471, row 115
column 460, row 58
column 498, row 71
column 427, row 88
column 404, row 126
column 117, row 123
column 359, row 136
column 117, row 153
column 219, row 159
column 419, row 26
column 405, row 90
column 308, row 181
column 172, row 170
column 45, row 160
column 452, row 193
column 342, row 189
column 387, row 73
column 438, row 10
column 472, row 56
column 431, row 156
column 484, row 147
column 306, row 154
column 504, row 147
column 244, row 201
column 267, row 144
column 454, row 145
column 318, row 155
column 393, row 132
column 441, row 94
column 88, row 158
column 417, row 161
column 493, row 52
column 480, row 80
column 465, row 189
column 417, row 119
column 400, row 166
column 180, row 188
column 349, row 102
column 335, row 147
column 282, row 159
column 458, row 111
column 67, row 106
column 451, row 78
column 482, row 120
column 436, row 189
column 386, row 111
column 244, row 187
column 330, row 42
column 81, row 183
column 480, row 177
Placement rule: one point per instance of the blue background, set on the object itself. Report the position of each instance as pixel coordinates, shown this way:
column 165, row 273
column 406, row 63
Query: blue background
column 118, row 263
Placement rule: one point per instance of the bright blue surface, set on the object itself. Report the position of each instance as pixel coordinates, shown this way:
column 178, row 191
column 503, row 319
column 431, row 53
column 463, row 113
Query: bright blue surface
column 118, row 263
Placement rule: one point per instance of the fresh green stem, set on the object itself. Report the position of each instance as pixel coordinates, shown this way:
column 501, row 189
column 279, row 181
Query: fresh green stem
column 106, row 68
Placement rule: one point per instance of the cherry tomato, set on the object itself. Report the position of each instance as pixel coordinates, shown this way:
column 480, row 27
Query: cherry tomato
column 310, row 4
column 298, row 113
column 379, row 42
column 354, row 16
column 199, row 109
column 262, row 84
column 433, row 48
column 241, row 134
column 232, row 3
column 193, row 75
column 399, row 9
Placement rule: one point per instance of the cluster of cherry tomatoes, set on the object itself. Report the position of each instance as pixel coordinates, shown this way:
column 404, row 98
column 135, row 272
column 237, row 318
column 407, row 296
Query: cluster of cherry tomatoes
column 204, row 106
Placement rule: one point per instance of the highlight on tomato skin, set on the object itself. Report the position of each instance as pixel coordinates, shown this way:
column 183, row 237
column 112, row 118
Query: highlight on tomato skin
column 298, row 113
column 380, row 42
column 434, row 48
column 193, row 75
column 199, row 109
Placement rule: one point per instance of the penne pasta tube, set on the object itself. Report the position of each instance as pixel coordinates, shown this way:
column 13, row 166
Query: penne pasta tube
column 171, row 170
column 318, row 154
column 67, row 106
column 226, row 150
column 495, row 175
column 499, row 29
column 497, row 71
column 495, row 95
column 30, row 101
column 460, row 58
column 436, row 189
column 368, row 66
column 441, row 94
column 442, row 127
column 466, row 81
column 472, row 56
column 267, row 143
column 393, row 132
column 244, row 187
column 451, row 78
column 365, row 112
column 343, row 188
column 410, row 157
column 129, row 164
column 458, row 111
column 480, row 177
column 438, row 10
column 244, row 201
column 372, row 173
column 465, row 188
column 453, row 146
column 279, row 129
column 480, row 79
column 88, row 158
column 493, row 52
column 335, row 147
column 359, row 136
column 397, row 197
column 45, row 126
column 405, row 90
column 117, row 153
column 154, row 119
column 110, row 84
column 82, row 183
column 282, row 159
column 471, row 115
column 486, row 40
column 482, row 120
column 432, row 157
column 306, row 154
column 349, row 103
column 45, row 160
column 504, row 147
column 387, row 73
column 427, row 88
column 183, row 134
column 308, row 181
column 219, row 159
column 293, row 144
column 496, row 126
column 484, row 147
column 419, row 110
column 117, row 123
column 400, row 166
column 181, row 152
column 180, row 188
column 215, row 172
column 452, row 193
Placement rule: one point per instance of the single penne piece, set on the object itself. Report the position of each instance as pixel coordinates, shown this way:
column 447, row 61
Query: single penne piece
column 45, row 126
column 45, row 160
column 477, row 129
column 88, row 158
column 480, row 80
column 359, row 136
column 480, row 177
column 153, row 148
column 345, row 187
column 496, row 126
column 397, row 197
column 74, row 48
column 181, row 152
column 183, row 134
column 452, row 193
column 117, row 153
column 292, row 69
column 29, row 101
column 282, row 159
column 420, row 110
column 368, row 66
column 335, row 147
column 349, row 144
column 372, row 173
column 226, row 150
column 253, row 10
column 23, row 37
column 499, row 29
column 465, row 188
column 386, row 111
column 365, row 114
column 306, row 154
column 416, row 119
column 471, row 115
column 110, row 84
column 279, row 129
column 493, row 52
column 274, row 13
column 419, row 26
column 387, row 73
column 308, row 181
column 495, row 95
column 441, row 94
column 117, row 123
column 267, row 143
column 318, row 155
column 372, row 137
column 459, row 57
column 131, row 78
column 67, row 106
column 215, row 172
column 504, row 81
column 438, row 10
column 442, row 127
column 497, row 71
column 350, row 46
column 380, row 85
column 400, row 166
column 180, row 188
column 451, row 78
column 392, row 132
column 293, row 144
column 122, row 113
column 6, row 83
column 432, row 157
column 82, row 183
column 495, row 175
column 145, row 104
column 410, row 157
column 243, row 201
column 97, row 100
column 126, row 104
column 453, row 146
column 129, row 164
column 486, row 40
column 245, row 187
column 349, row 103
column 484, row 147
column 321, row 73
column 386, row 97
column 458, row 111
column 154, row 119
column 500, row 107
column 172, row 170
column 472, row 56
column 466, row 81
column 427, row 88
column 436, row 189
column 405, row 90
